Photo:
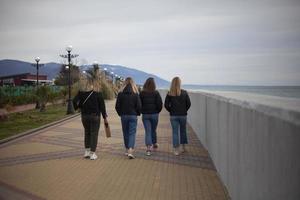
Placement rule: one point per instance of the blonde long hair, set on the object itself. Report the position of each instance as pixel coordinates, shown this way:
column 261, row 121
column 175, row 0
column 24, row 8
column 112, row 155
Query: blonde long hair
column 87, row 84
column 130, row 81
column 175, row 89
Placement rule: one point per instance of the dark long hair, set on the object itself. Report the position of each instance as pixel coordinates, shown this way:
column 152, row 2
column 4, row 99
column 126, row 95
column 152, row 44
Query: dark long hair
column 149, row 85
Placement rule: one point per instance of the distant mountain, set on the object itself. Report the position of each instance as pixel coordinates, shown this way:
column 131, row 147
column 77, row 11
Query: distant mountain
column 10, row 67
column 138, row 76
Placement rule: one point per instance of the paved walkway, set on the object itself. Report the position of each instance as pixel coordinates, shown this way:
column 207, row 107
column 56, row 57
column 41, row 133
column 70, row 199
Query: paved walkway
column 49, row 165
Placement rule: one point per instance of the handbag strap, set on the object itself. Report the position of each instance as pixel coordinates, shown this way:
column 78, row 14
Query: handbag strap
column 87, row 98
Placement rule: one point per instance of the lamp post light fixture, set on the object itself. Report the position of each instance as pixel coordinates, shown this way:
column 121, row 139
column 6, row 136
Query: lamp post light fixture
column 37, row 65
column 83, row 75
column 105, row 72
column 96, row 68
column 70, row 109
column 118, row 81
column 96, row 64
column 116, row 78
column 37, row 60
column 112, row 77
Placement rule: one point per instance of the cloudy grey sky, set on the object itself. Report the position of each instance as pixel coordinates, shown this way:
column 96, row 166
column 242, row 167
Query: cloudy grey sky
column 205, row 42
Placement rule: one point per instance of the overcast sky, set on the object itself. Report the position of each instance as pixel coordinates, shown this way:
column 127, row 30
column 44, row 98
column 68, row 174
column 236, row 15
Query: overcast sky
column 253, row 42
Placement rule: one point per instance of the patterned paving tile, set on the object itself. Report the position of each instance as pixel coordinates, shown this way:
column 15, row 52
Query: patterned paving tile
column 11, row 192
column 70, row 135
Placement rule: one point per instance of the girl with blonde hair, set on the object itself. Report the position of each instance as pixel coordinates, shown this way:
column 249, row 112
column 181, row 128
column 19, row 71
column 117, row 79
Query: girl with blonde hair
column 177, row 103
column 91, row 103
column 130, row 81
column 128, row 107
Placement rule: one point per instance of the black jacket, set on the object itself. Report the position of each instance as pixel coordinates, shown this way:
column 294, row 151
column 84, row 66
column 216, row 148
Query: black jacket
column 178, row 105
column 93, row 105
column 128, row 103
column 151, row 102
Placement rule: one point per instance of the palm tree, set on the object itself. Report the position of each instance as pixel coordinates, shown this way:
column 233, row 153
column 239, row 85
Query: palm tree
column 94, row 76
column 63, row 76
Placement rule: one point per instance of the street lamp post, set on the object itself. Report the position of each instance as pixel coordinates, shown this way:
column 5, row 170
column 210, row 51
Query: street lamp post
column 96, row 65
column 70, row 108
column 96, row 69
column 105, row 71
column 37, row 65
column 97, row 76
column 112, row 77
column 116, row 79
column 83, row 75
column 37, row 59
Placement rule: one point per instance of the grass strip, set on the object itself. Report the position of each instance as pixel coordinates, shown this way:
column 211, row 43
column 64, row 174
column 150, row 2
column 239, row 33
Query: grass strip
column 23, row 121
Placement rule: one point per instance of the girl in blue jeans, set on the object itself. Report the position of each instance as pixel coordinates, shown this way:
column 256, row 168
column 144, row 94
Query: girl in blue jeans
column 151, row 106
column 178, row 102
column 128, row 107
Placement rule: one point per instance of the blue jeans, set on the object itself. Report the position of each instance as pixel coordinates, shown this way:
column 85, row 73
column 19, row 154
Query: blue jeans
column 150, row 122
column 129, row 123
column 178, row 123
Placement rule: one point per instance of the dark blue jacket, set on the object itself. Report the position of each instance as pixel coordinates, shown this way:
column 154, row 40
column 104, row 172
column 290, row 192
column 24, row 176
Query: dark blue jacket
column 178, row 105
column 151, row 102
column 128, row 102
column 94, row 104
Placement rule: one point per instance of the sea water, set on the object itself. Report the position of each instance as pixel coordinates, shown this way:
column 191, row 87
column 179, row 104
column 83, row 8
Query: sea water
column 281, row 91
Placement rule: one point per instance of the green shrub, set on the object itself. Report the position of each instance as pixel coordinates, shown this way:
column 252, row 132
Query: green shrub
column 26, row 95
column 44, row 96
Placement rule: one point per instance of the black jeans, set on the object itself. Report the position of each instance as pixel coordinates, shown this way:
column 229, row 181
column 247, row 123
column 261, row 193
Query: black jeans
column 91, row 124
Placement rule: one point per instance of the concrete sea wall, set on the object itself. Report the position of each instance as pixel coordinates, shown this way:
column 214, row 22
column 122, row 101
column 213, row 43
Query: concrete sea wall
column 254, row 146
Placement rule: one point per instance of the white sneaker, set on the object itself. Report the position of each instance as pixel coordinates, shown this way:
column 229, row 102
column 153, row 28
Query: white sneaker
column 148, row 153
column 131, row 156
column 130, row 153
column 93, row 156
column 183, row 149
column 87, row 153
column 176, row 153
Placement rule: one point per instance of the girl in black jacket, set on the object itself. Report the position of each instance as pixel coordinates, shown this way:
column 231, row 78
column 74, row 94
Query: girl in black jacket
column 91, row 104
column 151, row 106
column 178, row 102
column 128, row 107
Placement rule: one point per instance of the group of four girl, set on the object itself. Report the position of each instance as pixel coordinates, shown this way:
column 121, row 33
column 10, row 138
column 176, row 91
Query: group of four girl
column 130, row 104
